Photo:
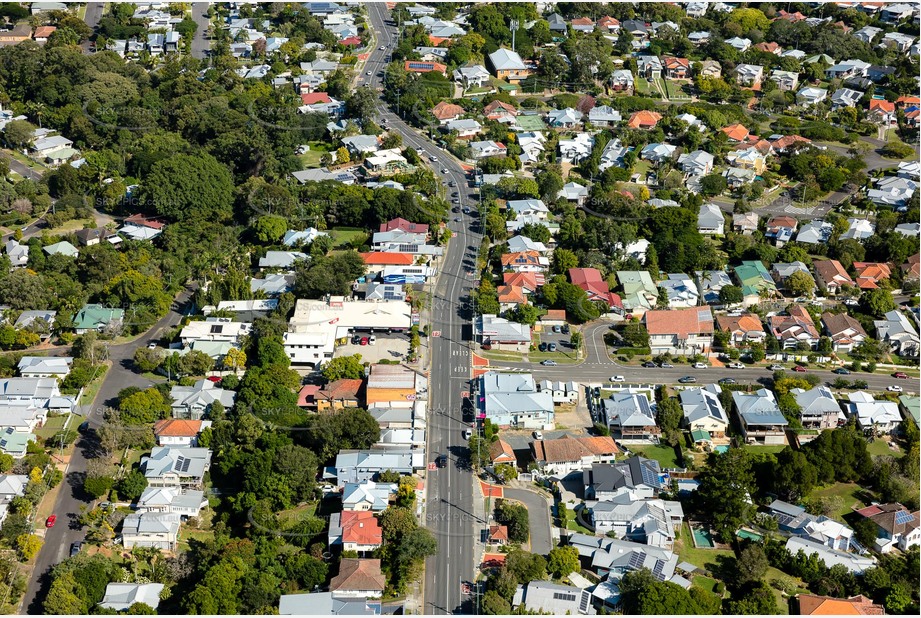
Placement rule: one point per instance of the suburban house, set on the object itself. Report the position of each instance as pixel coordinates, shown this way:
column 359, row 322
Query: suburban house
column 629, row 416
column 649, row 67
column 897, row 527
column 818, row 408
column 651, row 521
column 508, row 65
column 150, row 529
column 488, row 148
column 710, row 283
column 879, row 417
column 45, row 366
column 183, row 502
column 744, row 328
column 756, row 282
column 445, row 112
column 637, row 476
column 194, row 402
column 762, row 420
column 869, row 274
column 899, row 332
column 644, row 119
column 710, row 220
column 356, row 531
column 786, row 81
column 501, row 334
column 821, row 529
column 284, row 260
column 589, row 279
column 814, row 605
column 795, row 328
column 359, row 577
column 749, row 76
column 697, row 163
column 563, row 392
column 811, row 96
column 680, row 331
column 703, row 410
column 513, row 400
column 356, row 466
column 97, row 318
column 845, row 97
column 831, row 276
column 846, row 332
column 120, row 597
column 11, row 486
column 558, row 457
column 498, row 535
column 367, row 496
column 832, row 557
column 676, row 68
column 501, row 452
column 542, row 597
column 658, row 152
column 177, row 467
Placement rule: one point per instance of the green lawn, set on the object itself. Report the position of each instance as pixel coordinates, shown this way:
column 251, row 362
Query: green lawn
column 850, row 494
column 664, row 454
column 53, row 425
column 706, row 583
column 574, row 525
column 344, row 236
column 760, row 448
column 674, row 91
column 641, row 85
column 198, row 535
column 701, row 558
column 880, row 447
column 311, row 158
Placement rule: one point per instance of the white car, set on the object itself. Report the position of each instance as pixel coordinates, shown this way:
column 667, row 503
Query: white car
column 538, row 435
column 444, row 170
column 371, row 340
column 894, row 389
column 382, row 48
column 736, row 366
column 618, row 379
column 700, row 365
column 467, row 433
column 368, row 73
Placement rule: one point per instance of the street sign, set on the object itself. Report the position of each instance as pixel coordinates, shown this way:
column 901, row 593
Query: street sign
column 431, row 466
column 436, row 333
column 465, row 394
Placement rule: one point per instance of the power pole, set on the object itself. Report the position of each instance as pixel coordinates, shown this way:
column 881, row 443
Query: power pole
column 513, row 26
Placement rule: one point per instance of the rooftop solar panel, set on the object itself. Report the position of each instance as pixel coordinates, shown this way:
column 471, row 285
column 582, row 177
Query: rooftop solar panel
column 903, row 517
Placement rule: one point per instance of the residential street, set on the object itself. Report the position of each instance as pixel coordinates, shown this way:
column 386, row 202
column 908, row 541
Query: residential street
column 71, row 497
column 200, row 42
column 449, row 511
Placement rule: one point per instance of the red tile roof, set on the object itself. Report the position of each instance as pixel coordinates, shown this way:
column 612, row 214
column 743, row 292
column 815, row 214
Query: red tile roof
column 144, row 221
column 358, row 574
column 735, row 132
column 680, row 322
column 814, row 605
column 403, row 225
column 589, row 279
column 43, row 32
column 511, row 294
column 350, row 41
column 361, row 528
column 644, row 119
column 787, row 140
column 528, row 281
column 340, row 389
column 306, row 397
column 445, row 110
column 501, row 451
column 311, row 98
column 881, row 105
column 177, row 428
column 381, row 258
column 569, row 448
column 498, row 533
column 418, row 66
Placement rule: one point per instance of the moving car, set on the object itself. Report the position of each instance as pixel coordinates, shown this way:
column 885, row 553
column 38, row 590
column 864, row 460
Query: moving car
column 52, row 519
column 441, row 461
column 367, row 72
column 618, row 379
column 444, row 170
column 468, row 433
column 687, row 380
column 548, row 363
column 901, row 375
column 892, row 388
column 841, row 371
column 776, row 367
column 726, row 381
column 799, row 369
column 736, row 366
column 382, row 48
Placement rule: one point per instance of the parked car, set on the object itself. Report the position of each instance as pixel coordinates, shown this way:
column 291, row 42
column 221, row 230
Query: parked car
column 372, row 339
column 548, row 363
column 364, row 341
column 538, row 435
column 542, row 347
column 892, row 388
column 551, row 347
column 52, row 519
column 900, row 375
column 152, row 345
column 618, row 379
column 557, row 330
column 776, row 367
column 700, row 365
column 841, row 371
column 736, row 366
column 687, row 380
column 666, row 366
column 75, row 548
column 565, row 329
column 799, row 369
column 356, row 339
column 649, row 364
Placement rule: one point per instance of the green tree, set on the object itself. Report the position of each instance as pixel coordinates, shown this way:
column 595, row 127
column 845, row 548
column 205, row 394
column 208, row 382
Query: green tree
column 515, row 516
column 190, row 188
column 712, row 184
column 494, row 605
column 525, row 566
column 28, row 546
column 344, row 368
column 731, row 295
column 751, row 565
column 800, row 284
column 132, row 485
column 877, row 302
column 668, row 417
column 561, row 561
column 146, row 359
column 794, row 475
column 270, row 228
column 725, row 488
column 563, row 260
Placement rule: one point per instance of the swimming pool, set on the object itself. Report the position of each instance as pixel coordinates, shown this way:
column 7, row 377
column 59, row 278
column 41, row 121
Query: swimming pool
column 722, row 448
column 744, row 534
column 702, row 538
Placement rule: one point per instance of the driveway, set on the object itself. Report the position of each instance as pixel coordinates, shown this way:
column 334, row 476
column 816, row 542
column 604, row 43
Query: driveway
column 538, row 517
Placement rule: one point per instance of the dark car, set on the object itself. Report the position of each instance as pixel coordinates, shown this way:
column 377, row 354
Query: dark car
column 687, row 380
column 356, row 339
column 75, row 548
column 441, row 461
column 565, row 329
column 542, row 347
column 841, row 371
column 726, row 381
column 649, row 364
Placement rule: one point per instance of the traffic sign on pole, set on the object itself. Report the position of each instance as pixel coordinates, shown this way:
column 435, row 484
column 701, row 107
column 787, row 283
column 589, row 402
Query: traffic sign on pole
column 431, row 465
column 436, row 333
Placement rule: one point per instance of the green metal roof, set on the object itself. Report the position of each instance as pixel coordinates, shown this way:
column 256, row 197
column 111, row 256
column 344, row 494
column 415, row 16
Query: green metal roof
column 700, row 435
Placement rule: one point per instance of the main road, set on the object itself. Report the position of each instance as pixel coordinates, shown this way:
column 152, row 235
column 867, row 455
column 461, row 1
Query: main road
column 450, row 490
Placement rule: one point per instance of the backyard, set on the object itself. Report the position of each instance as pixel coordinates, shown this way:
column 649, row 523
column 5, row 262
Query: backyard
column 312, row 157
column 662, row 453
column 850, row 494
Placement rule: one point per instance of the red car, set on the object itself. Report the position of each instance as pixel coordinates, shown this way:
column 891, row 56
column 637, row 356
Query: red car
column 364, row 341
column 214, row 379
column 799, row 369
column 49, row 523
column 901, row 375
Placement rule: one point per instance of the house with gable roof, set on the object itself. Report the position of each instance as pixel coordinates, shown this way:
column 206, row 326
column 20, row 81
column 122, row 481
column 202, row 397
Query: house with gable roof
column 846, row 333
column 761, row 419
column 703, row 410
column 636, row 476
column 629, row 416
column 818, row 408
column 560, row 456
column 680, row 331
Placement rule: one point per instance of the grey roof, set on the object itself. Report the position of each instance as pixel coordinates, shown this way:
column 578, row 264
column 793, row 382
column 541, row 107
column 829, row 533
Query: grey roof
column 506, row 60
column 201, row 395
column 281, row 259
column 151, row 523
column 629, row 410
column 505, row 393
column 184, row 461
column 759, row 408
column 501, row 330
column 122, row 596
column 702, row 403
column 325, row 603
column 549, row 597
column 172, row 497
column 831, row 557
column 630, row 474
column 816, row 400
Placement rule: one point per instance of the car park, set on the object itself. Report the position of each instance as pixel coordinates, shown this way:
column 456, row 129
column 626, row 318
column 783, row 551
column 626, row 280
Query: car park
column 548, row 363
column 687, row 380
column 618, row 379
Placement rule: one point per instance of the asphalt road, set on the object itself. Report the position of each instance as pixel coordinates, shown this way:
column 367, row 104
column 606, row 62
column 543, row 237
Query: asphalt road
column 200, row 44
column 449, row 513
column 91, row 17
column 71, row 496
column 598, row 367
